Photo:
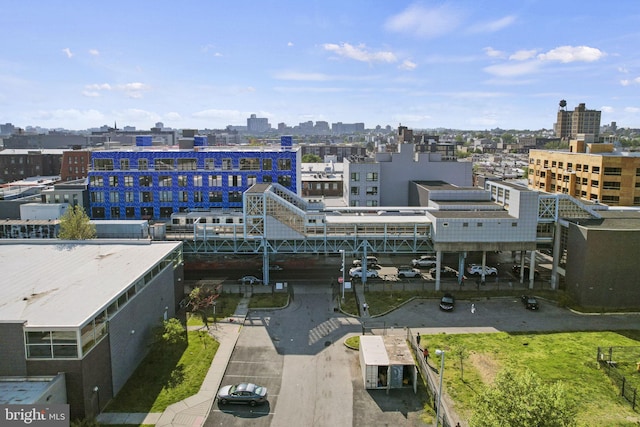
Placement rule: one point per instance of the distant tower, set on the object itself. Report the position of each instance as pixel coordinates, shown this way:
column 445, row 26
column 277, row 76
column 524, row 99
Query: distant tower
column 563, row 104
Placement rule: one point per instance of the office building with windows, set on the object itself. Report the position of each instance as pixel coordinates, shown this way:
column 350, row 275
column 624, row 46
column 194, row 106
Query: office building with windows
column 87, row 310
column 591, row 171
column 151, row 183
column 571, row 123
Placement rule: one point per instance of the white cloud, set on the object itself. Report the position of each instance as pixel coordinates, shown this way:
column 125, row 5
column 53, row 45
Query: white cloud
column 137, row 115
column 566, row 54
column 90, row 94
column 173, row 116
column 360, row 53
column 523, row 55
column 623, row 70
column 625, row 82
column 493, row 53
column 94, row 52
column 227, row 115
column 67, row 52
column 290, row 44
column 98, row 86
column 511, row 69
column 607, row 109
column 408, row 65
column 632, row 110
column 420, row 21
column 493, row 26
column 70, row 115
column 217, row 54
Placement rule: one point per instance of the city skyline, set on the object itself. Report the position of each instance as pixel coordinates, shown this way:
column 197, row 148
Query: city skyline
column 422, row 64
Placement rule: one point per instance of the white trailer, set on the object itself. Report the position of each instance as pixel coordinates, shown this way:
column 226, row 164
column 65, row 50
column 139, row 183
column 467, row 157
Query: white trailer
column 386, row 362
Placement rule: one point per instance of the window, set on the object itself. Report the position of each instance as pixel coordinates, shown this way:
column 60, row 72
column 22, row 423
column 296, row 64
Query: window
column 553, row 164
column 124, row 164
column 578, row 167
column 164, row 181
column 115, row 212
column 182, row 181
column 586, row 168
column 129, row 212
column 235, row 196
column 355, row 191
column 215, row 196
column 197, row 180
column 479, row 224
column 165, row 213
column 284, row 164
column 636, row 201
column 267, row 165
column 610, row 185
column 114, row 197
column 569, row 166
column 372, row 176
column 355, row 176
column 51, row 344
column 372, row 191
column 183, row 196
column 595, row 184
column 187, row 164
column 637, row 171
column 128, row 181
column 214, row 180
column 250, row 164
column 267, row 178
column 209, row 164
column 96, row 181
column 163, row 164
column 165, row 196
column 561, row 165
column 143, row 164
column 233, row 180
column 146, row 196
column 372, row 203
column 113, row 181
column 251, row 179
column 611, row 199
column 226, row 164
column 197, row 196
column 128, row 196
column 465, row 224
column 612, row 171
column 97, row 196
column 102, row 164
column 145, row 181
column 284, row 180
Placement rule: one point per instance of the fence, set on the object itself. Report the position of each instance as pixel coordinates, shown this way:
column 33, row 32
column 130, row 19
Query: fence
column 616, row 361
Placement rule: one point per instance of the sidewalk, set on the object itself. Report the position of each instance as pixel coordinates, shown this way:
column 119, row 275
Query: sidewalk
column 193, row 411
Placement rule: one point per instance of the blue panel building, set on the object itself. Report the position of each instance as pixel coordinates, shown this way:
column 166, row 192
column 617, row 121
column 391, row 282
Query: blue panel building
column 151, row 183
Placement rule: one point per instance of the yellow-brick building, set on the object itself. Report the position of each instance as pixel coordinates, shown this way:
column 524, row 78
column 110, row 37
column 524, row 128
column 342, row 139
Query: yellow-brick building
column 589, row 171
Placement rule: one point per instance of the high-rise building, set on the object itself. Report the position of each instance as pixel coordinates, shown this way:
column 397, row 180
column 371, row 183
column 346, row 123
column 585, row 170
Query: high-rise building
column 579, row 121
column 257, row 124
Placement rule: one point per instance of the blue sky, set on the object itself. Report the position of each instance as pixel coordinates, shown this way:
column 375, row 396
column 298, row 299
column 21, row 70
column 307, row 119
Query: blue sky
column 424, row 64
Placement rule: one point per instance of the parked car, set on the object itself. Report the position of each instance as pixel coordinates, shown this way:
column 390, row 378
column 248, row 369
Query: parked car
column 424, row 261
column 516, row 272
column 275, row 267
column 530, row 303
column 476, row 269
column 357, row 272
column 252, row 280
column 447, row 302
column 242, row 393
column 444, row 272
column 407, row 271
column 371, row 260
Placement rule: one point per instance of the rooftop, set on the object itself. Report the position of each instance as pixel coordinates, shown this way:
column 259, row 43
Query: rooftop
column 70, row 281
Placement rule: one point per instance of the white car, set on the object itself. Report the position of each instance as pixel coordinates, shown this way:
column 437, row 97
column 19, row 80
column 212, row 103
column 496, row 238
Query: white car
column 407, row 271
column 424, row 261
column 252, row 280
column 476, row 269
column 357, row 272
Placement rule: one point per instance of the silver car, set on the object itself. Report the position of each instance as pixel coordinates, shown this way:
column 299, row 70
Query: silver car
column 242, row 393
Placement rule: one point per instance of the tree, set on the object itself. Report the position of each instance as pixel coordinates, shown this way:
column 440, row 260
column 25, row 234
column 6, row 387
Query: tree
column 172, row 332
column 461, row 354
column 200, row 299
column 311, row 158
column 522, row 399
column 75, row 225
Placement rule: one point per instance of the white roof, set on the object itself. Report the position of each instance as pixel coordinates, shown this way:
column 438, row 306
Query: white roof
column 373, row 350
column 55, row 283
column 377, row 219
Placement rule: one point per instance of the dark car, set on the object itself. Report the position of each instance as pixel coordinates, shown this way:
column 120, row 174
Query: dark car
column 242, row 393
column 530, row 303
column 447, row 302
column 444, row 272
column 516, row 272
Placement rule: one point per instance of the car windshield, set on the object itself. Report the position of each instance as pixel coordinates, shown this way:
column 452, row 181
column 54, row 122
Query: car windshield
column 447, row 300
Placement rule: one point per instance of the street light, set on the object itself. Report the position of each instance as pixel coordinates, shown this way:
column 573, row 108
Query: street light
column 344, row 271
column 441, row 354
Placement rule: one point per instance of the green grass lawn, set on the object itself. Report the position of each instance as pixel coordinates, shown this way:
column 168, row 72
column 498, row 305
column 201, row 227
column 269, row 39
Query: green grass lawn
column 166, row 377
column 225, row 307
column 569, row 357
column 269, row 300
